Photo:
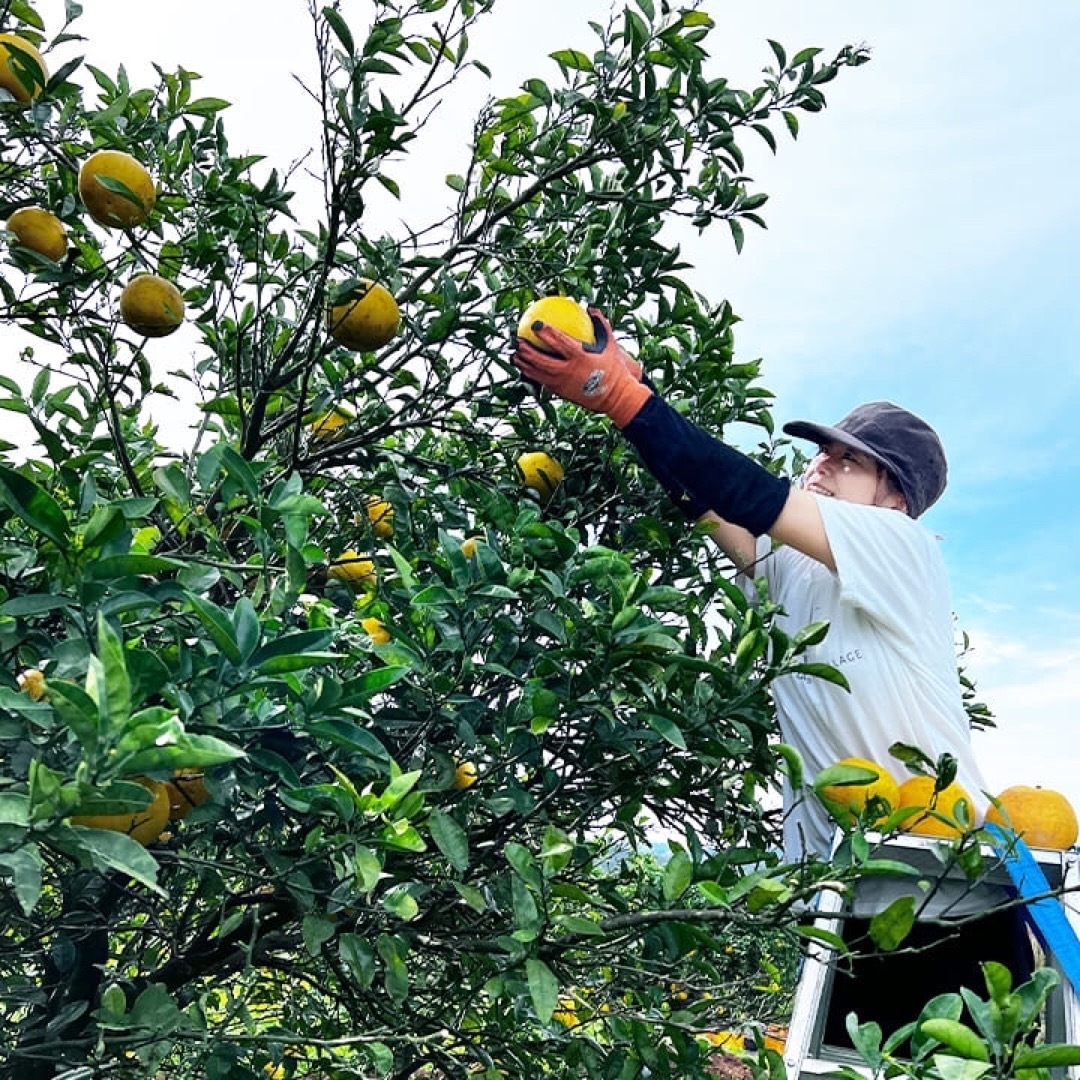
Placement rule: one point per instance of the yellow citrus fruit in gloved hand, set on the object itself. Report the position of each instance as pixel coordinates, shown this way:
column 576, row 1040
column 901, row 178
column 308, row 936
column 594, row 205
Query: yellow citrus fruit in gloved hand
column 116, row 189
column 563, row 313
column 39, row 231
column 539, row 472
column 366, row 318
column 918, row 791
column 152, row 306
column 22, row 70
column 847, row 801
column 143, row 826
column 1041, row 817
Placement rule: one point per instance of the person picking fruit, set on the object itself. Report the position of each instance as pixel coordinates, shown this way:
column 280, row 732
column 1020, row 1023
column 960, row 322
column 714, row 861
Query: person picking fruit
column 844, row 546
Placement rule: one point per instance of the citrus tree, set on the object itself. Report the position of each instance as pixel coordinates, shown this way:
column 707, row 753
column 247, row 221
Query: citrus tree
column 336, row 742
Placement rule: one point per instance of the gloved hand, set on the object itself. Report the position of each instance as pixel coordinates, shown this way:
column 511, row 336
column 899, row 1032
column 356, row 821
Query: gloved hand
column 602, row 377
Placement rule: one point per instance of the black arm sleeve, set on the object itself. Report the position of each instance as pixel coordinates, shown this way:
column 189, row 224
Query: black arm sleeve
column 701, row 473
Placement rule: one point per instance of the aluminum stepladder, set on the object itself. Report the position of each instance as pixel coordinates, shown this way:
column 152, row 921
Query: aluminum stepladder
column 1055, row 922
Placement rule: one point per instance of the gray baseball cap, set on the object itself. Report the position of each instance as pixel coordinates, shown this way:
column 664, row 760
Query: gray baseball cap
column 907, row 446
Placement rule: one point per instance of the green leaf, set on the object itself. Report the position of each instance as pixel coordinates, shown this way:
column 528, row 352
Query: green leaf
column 35, row 506
column 572, row 59
column 351, row 736
column 678, row 874
column 105, row 525
column 78, row 710
column 114, row 696
column 119, row 566
column 957, row 1036
column 247, row 629
column 156, row 1010
column 359, row 957
column 890, row 927
column 34, row 604
column 451, row 839
column 206, row 106
column 240, row 470
column 24, row 867
column 392, row 951
column 219, row 626
column 371, row 683
column 543, row 988
column 1047, row 1056
column 105, row 850
column 400, row 902
column 340, row 28
column 666, row 729
column 187, row 751
column 316, row 930
column 291, row 645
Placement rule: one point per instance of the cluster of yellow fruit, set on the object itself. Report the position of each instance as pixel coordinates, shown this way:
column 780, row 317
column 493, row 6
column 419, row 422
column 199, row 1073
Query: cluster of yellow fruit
column 1042, row 817
column 354, row 568
column 116, row 190
column 172, row 800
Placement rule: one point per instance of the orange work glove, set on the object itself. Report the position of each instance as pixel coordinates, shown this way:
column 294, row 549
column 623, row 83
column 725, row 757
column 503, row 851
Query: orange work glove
column 602, row 377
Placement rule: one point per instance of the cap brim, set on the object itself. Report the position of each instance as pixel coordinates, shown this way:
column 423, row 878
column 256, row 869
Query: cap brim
column 822, row 434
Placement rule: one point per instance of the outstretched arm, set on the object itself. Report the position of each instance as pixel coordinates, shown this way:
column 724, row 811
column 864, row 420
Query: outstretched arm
column 799, row 525
column 702, row 474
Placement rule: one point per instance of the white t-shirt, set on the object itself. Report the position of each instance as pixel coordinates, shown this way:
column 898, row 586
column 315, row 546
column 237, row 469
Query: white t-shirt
column 890, row 634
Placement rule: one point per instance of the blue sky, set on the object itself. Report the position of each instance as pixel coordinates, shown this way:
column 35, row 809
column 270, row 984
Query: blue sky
column 922, row 244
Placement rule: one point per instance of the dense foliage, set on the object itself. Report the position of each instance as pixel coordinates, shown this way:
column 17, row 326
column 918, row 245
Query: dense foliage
column 345, row 902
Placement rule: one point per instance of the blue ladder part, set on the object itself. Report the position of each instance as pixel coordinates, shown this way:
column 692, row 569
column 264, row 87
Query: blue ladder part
column 1046, row 916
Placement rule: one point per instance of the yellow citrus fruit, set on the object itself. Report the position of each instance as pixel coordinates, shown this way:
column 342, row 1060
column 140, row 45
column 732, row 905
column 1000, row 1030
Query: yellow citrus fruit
column 540, row 472
column 919, row 791
column 329, row 427
column 22, row 70
column 145, row 825
column 1042, row 817
column 187, row 789
column 353, row 569
column 850, row 800
column 32, row 682
column 376, row 630
column 365, row 320
column 566, row 1013
column 468, row 547
column 381, row 515
column 152, row 306
column 116, row 189
column 563, row 313
column 465, row 775
column 731, row 1041
column 775, row 1038
column 39, row 231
